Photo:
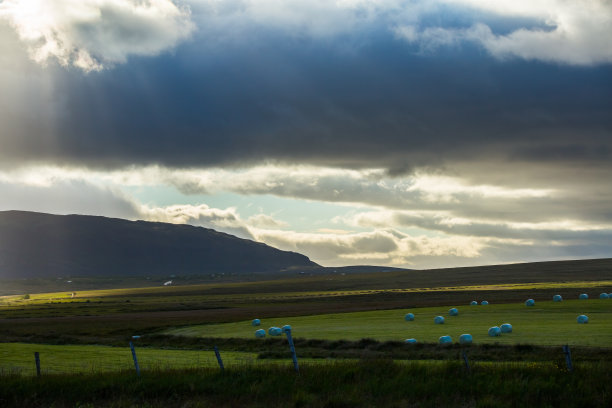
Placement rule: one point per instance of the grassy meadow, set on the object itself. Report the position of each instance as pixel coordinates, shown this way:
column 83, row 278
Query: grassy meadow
column 18, row 358
column 546, row 323
column 364, row 383
column 348, row 331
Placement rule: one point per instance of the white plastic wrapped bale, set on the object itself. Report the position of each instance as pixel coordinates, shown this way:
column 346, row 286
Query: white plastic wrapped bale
column 410, row 341
column 453, row 312
column 484, row 303
column 275, row 331
column 529, row 302
column 438, row 320
column 286, row 328
column 473, row 303
column 494, row 331
column 506, row 328
column 445, row 340
column 557, row 298
column 465, row 339
column 583, row 296
column 582, row 319
column 256, row 322
column 604, row 296
column 409, row 317
column 260, row 333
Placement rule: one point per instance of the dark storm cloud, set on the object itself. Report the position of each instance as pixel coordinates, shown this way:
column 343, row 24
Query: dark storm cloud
column 381, row 106
column 354, row 99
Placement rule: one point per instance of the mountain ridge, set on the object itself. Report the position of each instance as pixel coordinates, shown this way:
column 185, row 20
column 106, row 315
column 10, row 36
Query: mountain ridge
column 34, row 244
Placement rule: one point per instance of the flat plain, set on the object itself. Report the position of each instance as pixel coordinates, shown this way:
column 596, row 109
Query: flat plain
column 547, row 323
column 348, row 329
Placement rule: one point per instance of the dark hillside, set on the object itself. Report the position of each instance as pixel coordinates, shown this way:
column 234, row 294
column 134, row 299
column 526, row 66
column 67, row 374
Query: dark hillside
column 45, row 245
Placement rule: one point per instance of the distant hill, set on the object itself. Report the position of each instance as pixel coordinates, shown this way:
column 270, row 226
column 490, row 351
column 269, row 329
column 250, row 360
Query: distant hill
column 43, row 245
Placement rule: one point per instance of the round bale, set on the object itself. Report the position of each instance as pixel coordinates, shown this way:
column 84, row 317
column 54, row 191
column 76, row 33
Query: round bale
column 275, row 331
column 494, row 331
column 557, row 298
column 438, row 320
column 506, row 328
column 529, row 302
column 484, row 303
column 445, row 340
column 604, row 296
column 453, row 312
column 582, row 319
column 473, row 303
column 256, row 322
column 410, row 341
column 583, row 296
column 286, row 328
column 409, row 317
column 260, row 333
column 465, row 339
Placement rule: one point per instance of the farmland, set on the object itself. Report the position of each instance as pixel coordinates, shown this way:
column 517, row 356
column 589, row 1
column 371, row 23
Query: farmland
column 548, row 323
column 344, row 325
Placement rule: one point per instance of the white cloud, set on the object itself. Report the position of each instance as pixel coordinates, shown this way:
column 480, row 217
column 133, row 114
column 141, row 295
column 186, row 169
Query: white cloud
column 92, row 34
column 265, row 221
column 225, row 220
column 420, row 220
column 572, row 32
column 386, row 247
column 567, row 31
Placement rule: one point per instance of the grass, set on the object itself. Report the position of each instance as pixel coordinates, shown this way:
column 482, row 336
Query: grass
column 339, row 368
column 18, row 358
column 369, row 383
column 547, row 323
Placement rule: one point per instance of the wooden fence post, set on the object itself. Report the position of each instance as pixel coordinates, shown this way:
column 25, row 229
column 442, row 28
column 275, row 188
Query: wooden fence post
column 568, row 358
column 219, row 358
column 465, row 360
column 37, row 360
column 135, row 359
column 292, row 348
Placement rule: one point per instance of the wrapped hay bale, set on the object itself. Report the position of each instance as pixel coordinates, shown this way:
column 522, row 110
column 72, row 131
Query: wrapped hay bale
column 465, row 339
column 286, row 328
column 275, row 331
column 409, row 317
column 582, row 319
column 494, row 331
column 557, row 298
column 256, row 322
column 506, row 328
column 438, row 320
column 583, row 296
column 445, row 340
column 260, row 333
column 529, row 302
column 484, row 303
column 473, row 303
column 453, row 312
column 604, row 296
column 410, row 341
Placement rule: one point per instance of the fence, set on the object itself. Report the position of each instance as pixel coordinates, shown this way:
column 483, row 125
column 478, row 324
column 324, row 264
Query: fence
column 37, row 359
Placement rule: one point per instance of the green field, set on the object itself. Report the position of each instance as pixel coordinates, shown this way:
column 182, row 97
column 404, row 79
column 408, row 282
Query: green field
column 18, row 358
column 348, row 331
column 547, row 323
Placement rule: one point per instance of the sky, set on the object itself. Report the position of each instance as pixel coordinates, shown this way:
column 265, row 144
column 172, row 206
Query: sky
column 415, row 134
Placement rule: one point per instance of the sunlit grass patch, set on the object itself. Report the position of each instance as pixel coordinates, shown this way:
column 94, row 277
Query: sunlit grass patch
column 547, row 323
